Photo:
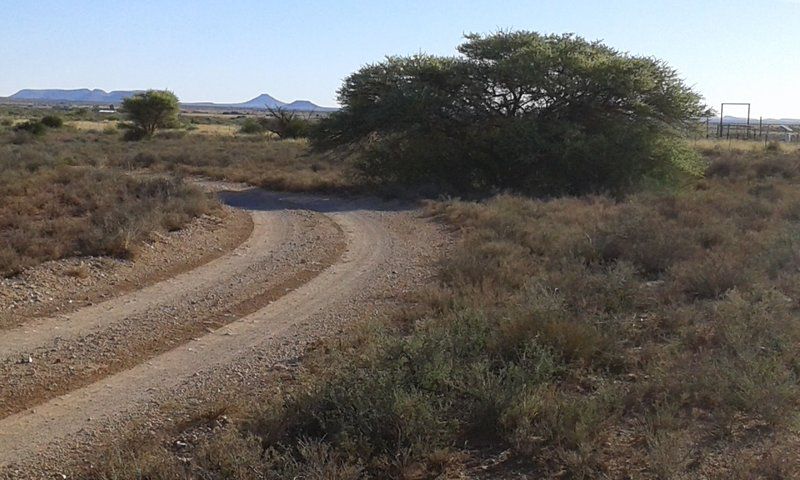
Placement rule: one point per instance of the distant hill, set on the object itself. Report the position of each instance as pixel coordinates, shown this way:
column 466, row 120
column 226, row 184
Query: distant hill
column 306, row 106
column 754, row 121
column 97, row 96
column 264, row 101
column 83, row 95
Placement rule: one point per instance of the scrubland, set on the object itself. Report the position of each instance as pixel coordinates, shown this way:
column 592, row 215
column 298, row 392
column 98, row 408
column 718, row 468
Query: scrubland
column 57, row 203
column 73, row 191
column 650, row 335
column 654, row 336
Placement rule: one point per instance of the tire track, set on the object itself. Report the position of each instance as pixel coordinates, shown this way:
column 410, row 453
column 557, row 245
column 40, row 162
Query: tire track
column 94, row 342
column 27, row 434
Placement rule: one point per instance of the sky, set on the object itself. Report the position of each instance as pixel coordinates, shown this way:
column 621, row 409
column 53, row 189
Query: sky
column 234, row 50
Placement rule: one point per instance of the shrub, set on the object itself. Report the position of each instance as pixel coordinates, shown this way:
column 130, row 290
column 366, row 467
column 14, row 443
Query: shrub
column 251, row 126
column 285, row 124
column 49, row 212
column 133, row 133
column 21, row 137
column 52, row 121
column 31, row 126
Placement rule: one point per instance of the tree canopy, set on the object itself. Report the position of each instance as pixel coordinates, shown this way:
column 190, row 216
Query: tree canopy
column 542, row 114
column 151, row 110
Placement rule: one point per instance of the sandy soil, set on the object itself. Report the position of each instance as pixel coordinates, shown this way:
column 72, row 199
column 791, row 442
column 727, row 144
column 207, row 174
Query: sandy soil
column 311, row 266
column 63, row 286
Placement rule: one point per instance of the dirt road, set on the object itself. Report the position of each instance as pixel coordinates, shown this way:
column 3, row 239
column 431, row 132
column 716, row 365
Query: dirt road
column 311, row 265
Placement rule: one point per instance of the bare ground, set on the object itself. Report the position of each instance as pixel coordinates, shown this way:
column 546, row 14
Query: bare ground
column 63, row 286
column 311, row 265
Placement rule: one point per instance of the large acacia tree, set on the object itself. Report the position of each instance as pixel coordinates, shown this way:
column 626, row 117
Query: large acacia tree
column 542, row 114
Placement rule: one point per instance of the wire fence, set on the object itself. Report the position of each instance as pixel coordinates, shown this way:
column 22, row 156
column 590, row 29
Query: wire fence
column 759, row 132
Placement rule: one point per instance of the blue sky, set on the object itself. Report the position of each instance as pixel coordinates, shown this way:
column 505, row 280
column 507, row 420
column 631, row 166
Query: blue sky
column 223, row 51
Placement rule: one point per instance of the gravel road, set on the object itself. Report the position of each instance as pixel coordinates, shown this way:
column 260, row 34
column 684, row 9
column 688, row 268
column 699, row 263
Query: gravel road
column 310, row 267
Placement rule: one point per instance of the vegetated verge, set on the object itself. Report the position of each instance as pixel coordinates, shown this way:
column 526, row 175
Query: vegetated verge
column 580, row 336
column 647, row 333
column 51, row 209
column 286, row 165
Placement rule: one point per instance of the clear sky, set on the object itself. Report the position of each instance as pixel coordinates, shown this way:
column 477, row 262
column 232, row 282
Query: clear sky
column 226, row 51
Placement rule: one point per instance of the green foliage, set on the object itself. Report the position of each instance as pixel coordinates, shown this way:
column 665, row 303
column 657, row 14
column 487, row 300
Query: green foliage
column 533, row 113
column 406, row 397
column 132, row 133
column 285, row 123
column 52, row 121
column 251, row 126
column 151, row 110
column 33, row 127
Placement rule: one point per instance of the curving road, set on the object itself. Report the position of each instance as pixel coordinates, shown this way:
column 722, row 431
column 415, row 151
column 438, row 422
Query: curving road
column 310, row 263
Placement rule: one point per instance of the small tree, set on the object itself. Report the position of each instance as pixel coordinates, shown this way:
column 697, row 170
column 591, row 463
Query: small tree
column 285, row 123
column 151, row 110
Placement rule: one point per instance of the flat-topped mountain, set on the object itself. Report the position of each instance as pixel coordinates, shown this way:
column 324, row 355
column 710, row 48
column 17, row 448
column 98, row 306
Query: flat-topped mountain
column 730, row 120
column 83, row 95
column 98, row 96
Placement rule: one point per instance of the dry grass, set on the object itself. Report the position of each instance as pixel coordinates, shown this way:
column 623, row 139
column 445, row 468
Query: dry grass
column 67, row 193
column 259, row 160
column 91, row 125
column 227, row 130
column 52, row 206
column 656, row 337
column 715, row 146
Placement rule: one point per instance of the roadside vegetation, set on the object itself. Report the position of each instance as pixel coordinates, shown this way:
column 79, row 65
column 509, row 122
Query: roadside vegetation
column 279, row 165
column 61, row 197
column 51, row 210
column 634, row 315
column 67, row 190
column 575, row 337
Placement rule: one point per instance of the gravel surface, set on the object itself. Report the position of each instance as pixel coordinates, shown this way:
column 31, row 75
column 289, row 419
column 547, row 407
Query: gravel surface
column 63, row 286
column 312, row 266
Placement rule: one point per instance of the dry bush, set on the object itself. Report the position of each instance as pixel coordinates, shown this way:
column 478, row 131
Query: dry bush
column 69, row 194
column 275, row 164
column 653, row 337
column 50, row 209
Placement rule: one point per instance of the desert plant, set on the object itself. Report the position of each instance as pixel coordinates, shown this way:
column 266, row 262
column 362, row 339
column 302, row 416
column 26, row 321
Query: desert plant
column 151, row 110
column 533, row 113
column 50, row 211
column 285, row 123
column 33, row 127
column 52, row 121
column 251, row 126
